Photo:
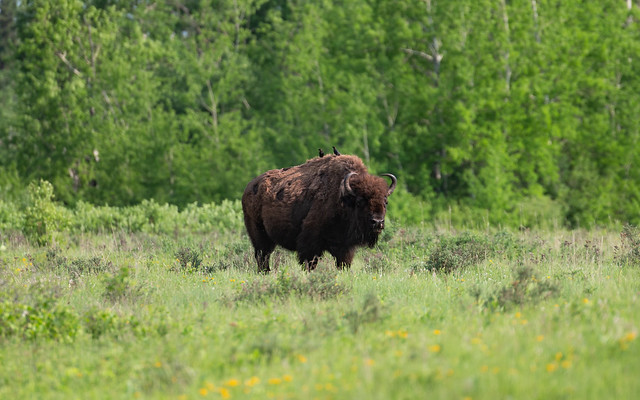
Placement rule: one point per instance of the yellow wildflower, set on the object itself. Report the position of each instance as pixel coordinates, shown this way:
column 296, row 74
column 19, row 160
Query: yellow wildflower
column 437, row 332
column 435, row 348
column 552, row 367
column 203, row 391
column 629, row 337
column 232, row 382
column 275, row 381
column 540, row 338
column 254, row 380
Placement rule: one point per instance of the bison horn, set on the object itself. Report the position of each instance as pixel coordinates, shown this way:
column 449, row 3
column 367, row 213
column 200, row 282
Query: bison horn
column 346, row 188
column 394, row 181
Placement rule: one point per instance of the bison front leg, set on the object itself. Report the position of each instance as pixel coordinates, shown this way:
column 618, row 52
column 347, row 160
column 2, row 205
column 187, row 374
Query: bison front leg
column 343, row 257
column 309, row 249
column 262, row 258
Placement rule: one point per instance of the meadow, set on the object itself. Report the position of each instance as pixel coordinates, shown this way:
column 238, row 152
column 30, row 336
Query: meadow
column 428, row 313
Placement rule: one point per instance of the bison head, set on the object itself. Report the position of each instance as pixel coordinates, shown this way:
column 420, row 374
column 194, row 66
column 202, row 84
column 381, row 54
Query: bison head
column 366, row 198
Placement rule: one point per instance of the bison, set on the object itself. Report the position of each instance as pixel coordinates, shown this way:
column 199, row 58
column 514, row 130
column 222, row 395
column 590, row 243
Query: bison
column 329, row 203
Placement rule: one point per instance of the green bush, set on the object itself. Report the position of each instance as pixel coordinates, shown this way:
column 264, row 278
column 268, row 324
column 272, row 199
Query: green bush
column 151, row 217
column 456, row 252
column 629, row 250
column 11, row 217
column 370, row 312
column 43, row 219
column 37, row 314
column 524, row 288
column 90, row 218
column 223, row 217
column 190, row 260
column 119, row 286
column 321, row 284
column 97, row 322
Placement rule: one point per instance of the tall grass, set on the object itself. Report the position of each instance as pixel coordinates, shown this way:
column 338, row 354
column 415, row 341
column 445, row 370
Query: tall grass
column 519, row 314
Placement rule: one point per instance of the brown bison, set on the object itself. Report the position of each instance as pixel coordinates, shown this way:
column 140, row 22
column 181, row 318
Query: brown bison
column 329, row 203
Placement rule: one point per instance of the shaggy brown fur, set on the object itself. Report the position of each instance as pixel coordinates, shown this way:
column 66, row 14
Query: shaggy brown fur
column 312, row 208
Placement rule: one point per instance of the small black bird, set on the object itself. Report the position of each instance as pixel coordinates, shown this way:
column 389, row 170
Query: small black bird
column 335, row 151
column 320, row 153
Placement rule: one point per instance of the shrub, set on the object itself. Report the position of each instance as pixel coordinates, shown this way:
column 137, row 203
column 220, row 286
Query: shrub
column 43, row 218
column 77, row 266
column 37, row 314
column 189, row 260
column 11, row 218
column 456, row 252
column 320, row 284
column 99, row 322
column 90, row 218
column 119, row 285
column 90, row 265
column 525, row 288
column 370, row 311
column 629, row 250
column 236, row 255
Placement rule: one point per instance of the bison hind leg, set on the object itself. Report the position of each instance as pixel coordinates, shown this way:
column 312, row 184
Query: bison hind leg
column 310, row 261
column 262, row 243
column 263, row 247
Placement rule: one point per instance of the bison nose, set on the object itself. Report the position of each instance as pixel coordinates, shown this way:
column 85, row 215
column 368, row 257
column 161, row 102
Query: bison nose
column 377, row 224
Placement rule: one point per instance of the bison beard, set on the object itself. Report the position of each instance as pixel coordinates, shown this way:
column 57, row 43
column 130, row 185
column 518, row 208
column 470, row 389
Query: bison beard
column 329, row 203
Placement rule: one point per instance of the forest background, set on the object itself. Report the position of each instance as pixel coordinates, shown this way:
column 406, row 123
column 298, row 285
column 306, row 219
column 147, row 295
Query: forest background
column 507, row 111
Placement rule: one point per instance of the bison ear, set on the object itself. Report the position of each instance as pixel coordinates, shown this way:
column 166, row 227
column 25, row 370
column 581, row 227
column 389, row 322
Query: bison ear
column 345, row 188
column 394, row 182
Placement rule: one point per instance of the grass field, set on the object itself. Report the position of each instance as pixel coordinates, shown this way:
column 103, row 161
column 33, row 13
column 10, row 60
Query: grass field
column 426, row 314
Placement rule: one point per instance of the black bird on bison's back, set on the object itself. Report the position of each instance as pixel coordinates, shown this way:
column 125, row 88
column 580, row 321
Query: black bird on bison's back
column 335, row 151
column 320, row 153
column 326, row 204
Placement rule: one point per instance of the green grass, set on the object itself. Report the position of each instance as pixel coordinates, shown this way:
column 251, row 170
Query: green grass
column 534, row 315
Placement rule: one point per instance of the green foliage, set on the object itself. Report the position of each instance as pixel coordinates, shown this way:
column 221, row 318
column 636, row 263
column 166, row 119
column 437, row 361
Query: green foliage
column 629, row 250
column 525, row 288
column 43, row 218
column 11, row 218
column 98, row 322
column 38, row 314
column 320, row 284
column 90, row 265
column 536, row 310
column 457, row 252
column 189, row 260
column 369, row 312
column 120, row 286
column 491, row 113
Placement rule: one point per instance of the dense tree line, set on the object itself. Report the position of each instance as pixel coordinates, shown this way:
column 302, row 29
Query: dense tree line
column 489, row 105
